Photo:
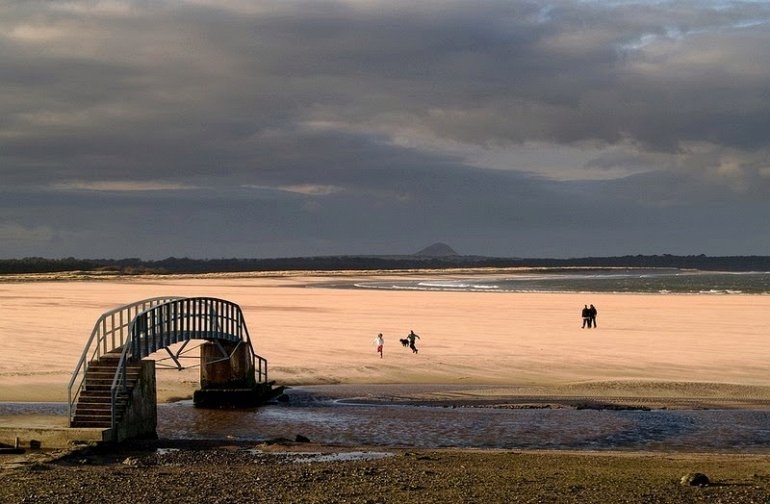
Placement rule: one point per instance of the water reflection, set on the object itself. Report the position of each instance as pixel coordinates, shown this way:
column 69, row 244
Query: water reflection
column 349, row 424
column 344, row 423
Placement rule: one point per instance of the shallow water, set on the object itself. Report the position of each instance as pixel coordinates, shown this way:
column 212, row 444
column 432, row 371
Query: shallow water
column 350, row 423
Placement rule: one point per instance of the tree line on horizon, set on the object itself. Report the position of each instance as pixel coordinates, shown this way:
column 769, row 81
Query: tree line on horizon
column 173, row 265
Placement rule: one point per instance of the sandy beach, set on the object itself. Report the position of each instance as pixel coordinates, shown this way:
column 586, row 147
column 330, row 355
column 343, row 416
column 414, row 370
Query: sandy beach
column 662, row 347
column 645, row 345
column 667, row 351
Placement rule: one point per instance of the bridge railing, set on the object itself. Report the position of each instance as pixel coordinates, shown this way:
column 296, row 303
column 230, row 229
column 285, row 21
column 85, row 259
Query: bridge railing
column 183, row 319
column 110, row 332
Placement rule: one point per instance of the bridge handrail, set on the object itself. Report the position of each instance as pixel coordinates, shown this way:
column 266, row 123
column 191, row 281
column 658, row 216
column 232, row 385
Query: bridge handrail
column 181, row 319
column 109, row 333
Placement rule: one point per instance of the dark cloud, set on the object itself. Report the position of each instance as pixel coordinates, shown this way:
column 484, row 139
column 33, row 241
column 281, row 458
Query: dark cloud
column 327, row 127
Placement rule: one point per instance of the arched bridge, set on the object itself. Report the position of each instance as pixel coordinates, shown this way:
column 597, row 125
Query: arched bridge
column 109, row 369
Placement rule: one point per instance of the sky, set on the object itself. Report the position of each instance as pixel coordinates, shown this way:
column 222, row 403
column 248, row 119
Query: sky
column 260, row 129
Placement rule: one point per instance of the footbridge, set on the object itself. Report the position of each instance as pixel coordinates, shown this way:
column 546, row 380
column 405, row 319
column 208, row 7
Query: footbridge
column 113, row 384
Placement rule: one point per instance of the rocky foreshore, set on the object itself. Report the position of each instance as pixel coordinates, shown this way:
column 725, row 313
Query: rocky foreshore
column 285, row 471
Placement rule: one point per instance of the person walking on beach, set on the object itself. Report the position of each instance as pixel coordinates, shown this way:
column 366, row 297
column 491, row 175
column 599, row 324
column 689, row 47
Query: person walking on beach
column 586, row 314
column 379, row 342
column 592, row 316
column 411, row 337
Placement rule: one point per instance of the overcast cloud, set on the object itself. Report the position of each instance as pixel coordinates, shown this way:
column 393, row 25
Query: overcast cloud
column 240, row 128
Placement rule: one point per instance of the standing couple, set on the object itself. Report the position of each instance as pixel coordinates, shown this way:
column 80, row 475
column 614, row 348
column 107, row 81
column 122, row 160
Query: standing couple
column 589, row 316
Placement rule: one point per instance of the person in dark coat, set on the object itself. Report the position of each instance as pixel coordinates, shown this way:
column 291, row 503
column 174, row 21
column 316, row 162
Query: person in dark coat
column 586, row 314
column 411, row 337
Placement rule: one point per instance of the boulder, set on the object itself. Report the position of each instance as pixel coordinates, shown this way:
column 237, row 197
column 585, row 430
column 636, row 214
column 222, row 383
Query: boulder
column 695, row 479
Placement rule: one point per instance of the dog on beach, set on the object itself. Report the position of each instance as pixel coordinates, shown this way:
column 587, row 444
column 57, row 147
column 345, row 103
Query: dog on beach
column 404, row 342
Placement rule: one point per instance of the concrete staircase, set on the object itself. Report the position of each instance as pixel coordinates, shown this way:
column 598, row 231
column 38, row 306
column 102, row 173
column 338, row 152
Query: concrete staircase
column 94, row 406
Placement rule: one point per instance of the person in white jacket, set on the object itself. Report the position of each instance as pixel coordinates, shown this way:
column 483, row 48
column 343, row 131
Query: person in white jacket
column 379, row 342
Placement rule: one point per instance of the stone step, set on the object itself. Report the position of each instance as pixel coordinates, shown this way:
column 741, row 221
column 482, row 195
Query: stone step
column 91, row 417
column 110, row 372
column 96, row 368
column 99, row 381
column 113, row 363
column 97, row 406
column 103, row 415
column 96, row 413
column 102, row 389
column 91, row 423
column 94, row 405
column 100, row 395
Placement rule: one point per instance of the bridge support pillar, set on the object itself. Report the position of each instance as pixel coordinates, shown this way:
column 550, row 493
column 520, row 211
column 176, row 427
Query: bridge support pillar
column 141, row 414
column 229, row 382
column 219, row 371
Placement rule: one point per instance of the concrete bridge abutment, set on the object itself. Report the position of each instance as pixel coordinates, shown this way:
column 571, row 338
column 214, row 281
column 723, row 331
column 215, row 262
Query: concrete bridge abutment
column 229, row 382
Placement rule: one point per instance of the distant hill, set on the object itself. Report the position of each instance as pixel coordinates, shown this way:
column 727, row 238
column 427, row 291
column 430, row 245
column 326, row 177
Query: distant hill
column 437, row 250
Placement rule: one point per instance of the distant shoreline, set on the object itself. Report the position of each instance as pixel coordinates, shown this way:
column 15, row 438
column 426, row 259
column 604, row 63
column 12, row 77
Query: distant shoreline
column 76, row 275
column 362, row 263
column 112, row 275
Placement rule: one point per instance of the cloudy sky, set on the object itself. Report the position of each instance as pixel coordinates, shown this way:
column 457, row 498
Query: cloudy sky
column 245, row 128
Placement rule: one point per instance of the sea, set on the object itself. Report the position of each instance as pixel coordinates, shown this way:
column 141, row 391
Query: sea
column 657, row 281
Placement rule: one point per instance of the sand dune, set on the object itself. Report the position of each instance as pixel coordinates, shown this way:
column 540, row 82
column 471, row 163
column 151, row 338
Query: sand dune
column 661, row 346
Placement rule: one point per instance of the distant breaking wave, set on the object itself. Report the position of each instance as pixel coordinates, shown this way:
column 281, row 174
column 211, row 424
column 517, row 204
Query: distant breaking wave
column 663, row 281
